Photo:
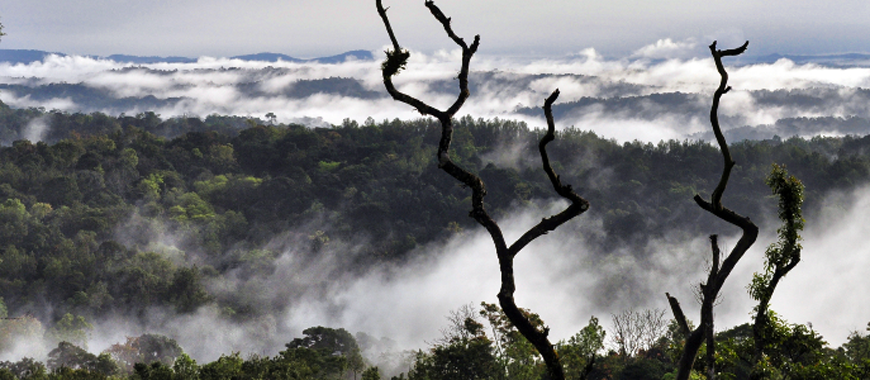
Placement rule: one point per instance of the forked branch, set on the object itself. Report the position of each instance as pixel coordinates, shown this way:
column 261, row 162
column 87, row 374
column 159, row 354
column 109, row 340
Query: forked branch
column 397, row 60
column 718, row 271
column 714, row 118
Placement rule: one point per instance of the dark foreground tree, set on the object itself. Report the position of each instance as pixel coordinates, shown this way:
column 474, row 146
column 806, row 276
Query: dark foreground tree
column 397, row 59
column 719, row 269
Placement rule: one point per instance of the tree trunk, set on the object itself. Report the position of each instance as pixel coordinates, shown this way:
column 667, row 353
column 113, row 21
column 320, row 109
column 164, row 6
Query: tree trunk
column 717, row 275
column 396, row 60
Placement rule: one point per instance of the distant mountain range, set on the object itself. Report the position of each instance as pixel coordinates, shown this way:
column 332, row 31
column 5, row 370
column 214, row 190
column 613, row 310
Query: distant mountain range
column 24, row 56
column 832, row 60
column 15, row 56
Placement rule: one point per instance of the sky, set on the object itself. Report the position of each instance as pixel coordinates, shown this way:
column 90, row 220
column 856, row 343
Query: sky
column 221, row 28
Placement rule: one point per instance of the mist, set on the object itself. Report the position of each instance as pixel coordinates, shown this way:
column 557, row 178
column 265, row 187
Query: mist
column 563, row 276
column 615, row 97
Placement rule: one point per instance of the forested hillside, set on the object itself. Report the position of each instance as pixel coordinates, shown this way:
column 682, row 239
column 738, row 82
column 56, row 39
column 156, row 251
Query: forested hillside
column 114, row 217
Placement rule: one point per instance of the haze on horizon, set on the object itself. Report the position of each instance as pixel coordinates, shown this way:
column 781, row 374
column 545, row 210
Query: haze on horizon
column 619, row 28
column 510, row 27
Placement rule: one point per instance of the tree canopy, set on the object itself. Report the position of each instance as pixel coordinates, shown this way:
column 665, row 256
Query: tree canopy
column 80, row 210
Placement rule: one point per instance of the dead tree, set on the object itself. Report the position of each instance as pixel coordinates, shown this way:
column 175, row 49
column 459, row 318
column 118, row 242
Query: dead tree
column 396, row 60
column 635, row 331
column 719, row 269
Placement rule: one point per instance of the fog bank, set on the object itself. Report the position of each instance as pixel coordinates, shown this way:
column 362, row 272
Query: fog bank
column 615, row 97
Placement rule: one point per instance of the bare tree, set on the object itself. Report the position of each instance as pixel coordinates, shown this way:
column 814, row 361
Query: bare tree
column 634, row 331
column 396, row 60
column 719, row 269
column 462, row 324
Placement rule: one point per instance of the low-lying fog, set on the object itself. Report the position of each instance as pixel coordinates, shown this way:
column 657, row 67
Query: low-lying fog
column 558, row 277
column 662, row 91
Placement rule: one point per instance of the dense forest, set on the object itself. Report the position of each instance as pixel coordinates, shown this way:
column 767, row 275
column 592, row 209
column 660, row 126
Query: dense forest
column 111, row 217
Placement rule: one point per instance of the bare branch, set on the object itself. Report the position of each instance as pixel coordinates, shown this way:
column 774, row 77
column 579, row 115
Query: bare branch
column 445, row 21
column 718, row 271
column 714, row 118
column 383, row 13
column 396, row 60
column 578, row 204
column 678, row 315
column 714, row 245
column 635, row 331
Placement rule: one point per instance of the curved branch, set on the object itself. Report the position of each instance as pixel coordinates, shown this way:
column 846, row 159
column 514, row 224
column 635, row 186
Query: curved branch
column 388, row 69
column 396, row 60
column 718, row 273
column 578, row 206
column 714, row 117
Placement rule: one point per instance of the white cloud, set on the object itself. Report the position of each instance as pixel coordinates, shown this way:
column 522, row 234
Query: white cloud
column 668, row 49
column 828, row 285
column 221, row 85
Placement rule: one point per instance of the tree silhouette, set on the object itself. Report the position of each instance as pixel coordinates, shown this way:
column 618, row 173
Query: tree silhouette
column 719, row 269
column 397, row 59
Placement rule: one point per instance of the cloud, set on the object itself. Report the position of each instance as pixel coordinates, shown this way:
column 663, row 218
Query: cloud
column 668, row 49
column 564, row 276
column 508, row 88
column 36, row 129
column 825, row 288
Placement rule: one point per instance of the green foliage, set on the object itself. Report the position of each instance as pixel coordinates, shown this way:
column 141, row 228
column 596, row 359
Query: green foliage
column 328, row 166
column 151, row 186
column 68, row 356
column 73, row 329
column 26, row 368
column 780, row 258
column 232, row 191
column 579, row 352
column 105, row 365
column 337, row 346
column 225, row 368
column 464, row 352
column 185, row 367
column 857, row 348
column 785, row 253
column 516, row 354
column 186, row 290
column 79, row 212
column 794, row 351
column 371, row 374
column 154, row 371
